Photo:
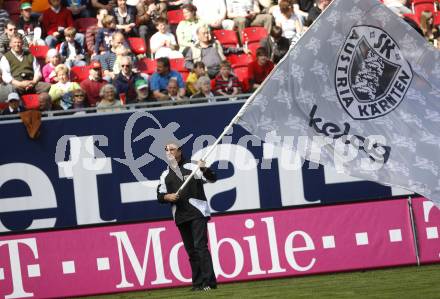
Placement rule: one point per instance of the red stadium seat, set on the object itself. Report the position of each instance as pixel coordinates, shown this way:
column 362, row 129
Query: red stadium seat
column 3, row 106
column 253, row 48
column 178, row 64
column 419, row 6
column 227, row 38
column 146, row 65
column 175, row 16
column 82, row 24
column 436, row 21
column 137, row 45
column 239, row 59
column 39, row 51
column 12, row 7
column 79, row 73
column 242, row 73
column 253, row 34
column 184, row 74
column 30, row 101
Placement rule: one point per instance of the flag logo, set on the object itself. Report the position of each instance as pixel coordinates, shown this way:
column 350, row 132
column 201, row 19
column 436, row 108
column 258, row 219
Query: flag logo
column 372, row 77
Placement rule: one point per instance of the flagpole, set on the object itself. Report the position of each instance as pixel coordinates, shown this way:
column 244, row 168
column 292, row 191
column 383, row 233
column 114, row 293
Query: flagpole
column 225, row 131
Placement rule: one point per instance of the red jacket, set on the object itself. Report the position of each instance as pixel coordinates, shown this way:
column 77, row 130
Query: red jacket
column 51, row 20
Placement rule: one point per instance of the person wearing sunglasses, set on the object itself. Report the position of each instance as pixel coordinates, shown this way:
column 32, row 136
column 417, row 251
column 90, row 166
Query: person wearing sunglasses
column 190, row 211
column 125, row 80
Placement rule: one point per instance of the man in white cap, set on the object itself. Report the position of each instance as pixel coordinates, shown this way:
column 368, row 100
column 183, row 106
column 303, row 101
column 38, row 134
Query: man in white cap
column 14, row 106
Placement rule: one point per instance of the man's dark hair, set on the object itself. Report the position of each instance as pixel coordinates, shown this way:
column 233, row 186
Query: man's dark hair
column 10, row 22
column 261, row 51
column 276, row 32
column 165, row 61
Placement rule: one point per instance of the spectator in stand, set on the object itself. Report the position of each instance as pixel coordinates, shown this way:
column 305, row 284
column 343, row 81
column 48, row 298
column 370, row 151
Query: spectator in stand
column 288, row 20
column 186, row 30
column 5, row 89
column 247, row 13
column 105, row 35
column 21, row 69
column 398, row 6
column 78, row 8
column 213, row 13
column 125, row 81
column 226, row 84
column 207, row 50
column 108, row 59
column 204, row 87
column 4, row 17
column 147, row 14
column 260, row 68
column 14, row 104
column 142, row 90
column 54, row 59
column 29, row 25
column 93, row 84
column 92, row 31
column 275, row 44
column 103, row 4
column 125, row 18
column 63, row 86
column 159, row 80
column 71, row 51
column 10, row 30
column 45, row 102
column 79, row 99
column 108, row 102
column 163, row 43
column 173, row 90
column 316, row 10
column 55, row 20
column 120, row 51
column 198, row 71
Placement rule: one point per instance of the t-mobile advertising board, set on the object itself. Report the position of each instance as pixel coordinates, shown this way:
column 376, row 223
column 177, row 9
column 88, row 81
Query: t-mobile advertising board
column 289, row 242
column 97, row 168
column 427, row 219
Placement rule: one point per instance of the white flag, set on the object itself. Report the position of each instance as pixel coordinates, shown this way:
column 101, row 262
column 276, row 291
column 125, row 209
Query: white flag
column 365, row 87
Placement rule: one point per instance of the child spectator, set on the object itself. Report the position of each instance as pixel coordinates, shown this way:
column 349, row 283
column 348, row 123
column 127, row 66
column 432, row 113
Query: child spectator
column 53, row 59
column 63, row 86
column 226, row 83
column 104, row 35
column 260, row 68
column 198, row 71
column 92, row 31
column 163, row 43
column 71, row 51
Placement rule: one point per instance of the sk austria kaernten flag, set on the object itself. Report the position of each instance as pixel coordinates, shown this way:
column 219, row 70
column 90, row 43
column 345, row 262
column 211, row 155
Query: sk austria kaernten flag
column 360, row 91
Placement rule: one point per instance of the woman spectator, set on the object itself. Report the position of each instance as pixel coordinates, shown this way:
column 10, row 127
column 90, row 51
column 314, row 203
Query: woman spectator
column 125, row 18
column 108, row 102
column 53, row 59
column 63, row 86
column 186, row 30
column 204, row 87
column 288, row 20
